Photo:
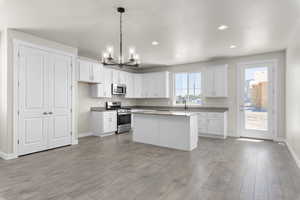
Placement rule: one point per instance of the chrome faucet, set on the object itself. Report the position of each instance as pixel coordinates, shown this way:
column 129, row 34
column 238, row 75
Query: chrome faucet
column 185, row 105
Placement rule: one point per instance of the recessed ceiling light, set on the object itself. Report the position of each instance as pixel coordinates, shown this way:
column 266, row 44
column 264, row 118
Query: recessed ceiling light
column 232, row 46
column 223, row 27
column 155, row 43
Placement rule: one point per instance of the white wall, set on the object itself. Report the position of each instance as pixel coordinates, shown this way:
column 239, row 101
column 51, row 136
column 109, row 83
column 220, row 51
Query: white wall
column 7, row 81
column 293, row 96
column 3, row 93
column 1, row 79
column 230, row 102
column 85, row 102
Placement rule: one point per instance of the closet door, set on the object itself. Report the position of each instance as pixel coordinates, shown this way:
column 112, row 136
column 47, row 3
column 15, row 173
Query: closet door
column 60, row 101
column 33, row 100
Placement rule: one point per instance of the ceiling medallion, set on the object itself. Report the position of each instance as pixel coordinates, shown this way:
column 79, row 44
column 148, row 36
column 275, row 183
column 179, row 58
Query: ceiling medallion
column 107, row 57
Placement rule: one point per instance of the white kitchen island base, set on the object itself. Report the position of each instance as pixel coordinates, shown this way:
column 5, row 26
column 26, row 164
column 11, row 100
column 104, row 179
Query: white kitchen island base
column 172, row 130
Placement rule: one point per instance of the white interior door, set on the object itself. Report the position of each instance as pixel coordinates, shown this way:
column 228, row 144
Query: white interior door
column 44, row 100
column 255, row 100
column 33, row 100
column 60, row 101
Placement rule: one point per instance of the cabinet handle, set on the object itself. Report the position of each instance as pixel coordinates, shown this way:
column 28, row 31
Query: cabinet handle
column 50, row 113
column 45, row 113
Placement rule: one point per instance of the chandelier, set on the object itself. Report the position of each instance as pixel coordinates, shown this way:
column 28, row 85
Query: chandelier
column 107, row 57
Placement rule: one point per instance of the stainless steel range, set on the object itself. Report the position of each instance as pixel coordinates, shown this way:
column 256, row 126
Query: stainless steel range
column 123, row 116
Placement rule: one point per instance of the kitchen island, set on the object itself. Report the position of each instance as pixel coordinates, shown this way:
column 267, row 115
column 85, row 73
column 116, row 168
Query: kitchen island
column 171, row 129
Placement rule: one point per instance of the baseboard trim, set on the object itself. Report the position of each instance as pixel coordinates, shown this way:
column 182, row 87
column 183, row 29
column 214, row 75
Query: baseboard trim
column 294, row 155
column 81, row 135
column 279, row 139
column 7, row 156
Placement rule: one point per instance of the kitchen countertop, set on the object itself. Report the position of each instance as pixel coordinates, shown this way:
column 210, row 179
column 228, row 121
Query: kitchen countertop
column 99, row 109
column 166, row 109
column 168, row 113
column 190, row 109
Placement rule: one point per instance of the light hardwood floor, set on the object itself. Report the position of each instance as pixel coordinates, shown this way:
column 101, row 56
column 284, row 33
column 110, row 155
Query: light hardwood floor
column 116, row 168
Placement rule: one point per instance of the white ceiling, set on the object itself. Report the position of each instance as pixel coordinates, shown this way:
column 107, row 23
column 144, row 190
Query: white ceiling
column 186, row 29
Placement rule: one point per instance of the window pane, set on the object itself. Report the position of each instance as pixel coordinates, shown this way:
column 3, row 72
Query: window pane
column 181, row 89
column 256, row 98
column 194, row 93
column 188, row 88
column 181, row 80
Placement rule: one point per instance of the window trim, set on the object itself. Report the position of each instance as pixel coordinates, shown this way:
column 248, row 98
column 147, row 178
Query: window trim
column 174, row 89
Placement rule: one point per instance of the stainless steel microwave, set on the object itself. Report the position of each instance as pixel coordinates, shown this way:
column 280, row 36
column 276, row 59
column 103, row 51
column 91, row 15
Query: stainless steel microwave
column 118, row 89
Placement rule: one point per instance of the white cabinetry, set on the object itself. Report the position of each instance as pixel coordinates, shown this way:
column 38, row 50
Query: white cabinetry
column 152, row 85
column 90, row 72
column 212, row 124
column 104, row 123
column 129, row 82
column 103, row 90
column 138, row 85
column 118, row 77
column 216, row 81
column 148, row 85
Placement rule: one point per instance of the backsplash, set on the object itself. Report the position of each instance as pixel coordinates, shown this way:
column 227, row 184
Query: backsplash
column 221, row 102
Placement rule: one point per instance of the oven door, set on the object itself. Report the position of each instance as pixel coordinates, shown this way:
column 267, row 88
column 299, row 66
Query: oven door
column 124, row 118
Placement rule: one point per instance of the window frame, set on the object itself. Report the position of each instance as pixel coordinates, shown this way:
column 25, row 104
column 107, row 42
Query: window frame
column 174, row 89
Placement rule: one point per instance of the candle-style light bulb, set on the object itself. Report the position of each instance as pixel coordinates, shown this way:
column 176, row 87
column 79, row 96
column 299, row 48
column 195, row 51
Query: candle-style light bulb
column 104, row 56
column 131, row 53
column 137, row 56
column 110, row 51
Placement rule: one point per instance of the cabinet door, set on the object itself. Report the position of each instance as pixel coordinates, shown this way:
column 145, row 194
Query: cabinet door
column 209, row 83
column 84, row 71
column 33, row 100
column 145, row 86
column 129, row 85
column 60, row 101
column 161, row 86
column 109, row 122
column 122, row 77
column 202, row 122
column 97, row 73
column 107, row 82
column 215, row 126
column 137, row 86
column 220, row 81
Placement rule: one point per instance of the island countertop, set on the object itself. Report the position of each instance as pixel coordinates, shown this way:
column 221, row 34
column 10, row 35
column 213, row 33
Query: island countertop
column 180, row 109
column 168, row 113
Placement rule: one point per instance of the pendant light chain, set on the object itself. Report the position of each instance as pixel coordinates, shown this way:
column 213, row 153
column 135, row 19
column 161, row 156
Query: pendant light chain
column 121, row 40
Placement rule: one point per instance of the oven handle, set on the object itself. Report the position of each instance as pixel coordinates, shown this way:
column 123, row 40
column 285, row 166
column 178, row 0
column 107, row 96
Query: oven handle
column 124, row 113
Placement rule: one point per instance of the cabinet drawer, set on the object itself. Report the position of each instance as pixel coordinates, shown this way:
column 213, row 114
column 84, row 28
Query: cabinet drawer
column 215, row 115
column 215, row 126
column 202, row 115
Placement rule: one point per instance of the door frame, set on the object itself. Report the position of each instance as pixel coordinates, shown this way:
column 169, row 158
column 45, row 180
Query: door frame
column 16, row 44
column 275, row 102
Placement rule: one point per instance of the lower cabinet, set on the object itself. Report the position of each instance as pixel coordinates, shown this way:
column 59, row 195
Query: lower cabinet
column 103, row 123
column 212, row 124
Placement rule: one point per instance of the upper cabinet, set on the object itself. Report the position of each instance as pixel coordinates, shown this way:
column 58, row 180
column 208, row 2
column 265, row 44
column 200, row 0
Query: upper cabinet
column 90, row 72
column 216, row 81
column 152, row 85
column 103, row 90
column 118, row 77
column 129, row 82
column 148, row 85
